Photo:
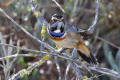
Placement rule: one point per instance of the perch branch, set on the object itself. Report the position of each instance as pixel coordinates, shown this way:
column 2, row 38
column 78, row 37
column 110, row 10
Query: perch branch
column 97, row 69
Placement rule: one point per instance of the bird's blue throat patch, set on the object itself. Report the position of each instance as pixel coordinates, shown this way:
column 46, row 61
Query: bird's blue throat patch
column 60, row 34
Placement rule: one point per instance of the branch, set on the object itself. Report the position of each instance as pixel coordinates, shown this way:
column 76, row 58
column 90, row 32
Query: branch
column 30, row 35
column 110, row 43
column 59, row 6
column 67, row 70
column 29, row 50
column 92, row 27
column 97, row 69
column 22, row 55
column 58, row 69
column 79, row 65
column 105, row 71
column 27, row 71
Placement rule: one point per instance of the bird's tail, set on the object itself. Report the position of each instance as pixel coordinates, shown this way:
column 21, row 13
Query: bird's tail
column 90, row 59
column 85, row 53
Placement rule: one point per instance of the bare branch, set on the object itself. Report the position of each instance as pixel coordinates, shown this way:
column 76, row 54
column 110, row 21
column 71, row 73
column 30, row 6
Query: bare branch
column 58, row 69
column 78, row 64
column 30, row 35
column 106, row 71
column 92, row 27
column 29, row 50
column 59, row 6
column 97, row 69
column 100, row 38
column 27, row 71
column 67, row 70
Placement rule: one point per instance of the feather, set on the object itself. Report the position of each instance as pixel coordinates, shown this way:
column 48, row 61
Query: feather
column 85, row 53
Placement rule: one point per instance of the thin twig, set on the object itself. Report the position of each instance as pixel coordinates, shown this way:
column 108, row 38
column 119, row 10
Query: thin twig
column 97, row 69
column 68, row 66
column 77, row 70
column 75, row 6
column 67, row 70
column 91, row 78
column 29, row 50
column 36, row 51
column 92, row 27
column 74, row 66
column 106, row 71
column 27, row 71
column 30, row 35
column 59, row 6
column 100, row 38
column 58, row 69
column 16, row 55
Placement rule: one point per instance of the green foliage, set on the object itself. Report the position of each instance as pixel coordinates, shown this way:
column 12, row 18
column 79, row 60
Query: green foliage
column 25, row 77
column 21, row 62
column 109, row 57
column 117, row 59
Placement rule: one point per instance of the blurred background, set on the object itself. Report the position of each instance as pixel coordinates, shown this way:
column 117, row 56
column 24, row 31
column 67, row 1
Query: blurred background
column 105, row 44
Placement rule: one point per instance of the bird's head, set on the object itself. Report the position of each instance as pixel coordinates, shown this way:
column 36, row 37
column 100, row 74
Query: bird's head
column 57, row 17
column 57, row 26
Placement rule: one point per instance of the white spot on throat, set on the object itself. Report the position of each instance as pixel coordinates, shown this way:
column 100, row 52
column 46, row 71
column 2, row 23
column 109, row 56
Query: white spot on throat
column 57, row 31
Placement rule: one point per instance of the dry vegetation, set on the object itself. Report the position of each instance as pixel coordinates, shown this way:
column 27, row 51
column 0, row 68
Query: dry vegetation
column 19, row 51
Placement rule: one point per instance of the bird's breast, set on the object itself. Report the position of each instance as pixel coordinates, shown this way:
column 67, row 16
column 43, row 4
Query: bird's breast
column 64, row 41
column 58, row 38
column 68, row 40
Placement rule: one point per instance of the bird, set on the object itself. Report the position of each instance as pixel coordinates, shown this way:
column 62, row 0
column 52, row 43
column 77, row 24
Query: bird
column 66, row 36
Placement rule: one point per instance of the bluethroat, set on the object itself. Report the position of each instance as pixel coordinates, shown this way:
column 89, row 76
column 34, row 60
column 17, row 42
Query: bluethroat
column 66, row 36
